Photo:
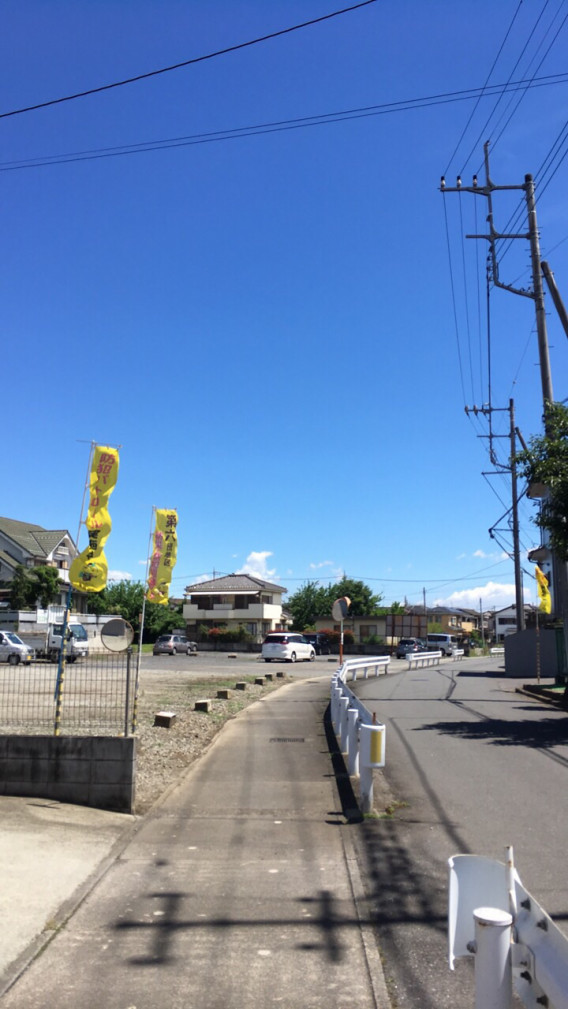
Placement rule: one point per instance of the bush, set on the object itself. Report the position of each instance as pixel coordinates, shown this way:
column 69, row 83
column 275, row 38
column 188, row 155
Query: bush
column 334, row 637
column 228, row 635
column 374, row 639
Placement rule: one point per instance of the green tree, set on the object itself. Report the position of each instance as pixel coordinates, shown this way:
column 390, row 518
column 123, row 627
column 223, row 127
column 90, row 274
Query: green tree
column 44, row 586
column 312, row 600
column 545, row 461
column 364, row 602
column 126, row 599
column 20, row 588
column 308, row 603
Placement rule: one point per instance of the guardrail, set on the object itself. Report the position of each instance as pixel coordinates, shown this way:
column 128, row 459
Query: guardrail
column 361, row 737
column 514, row 941
column 416, row 660
column 351, row 667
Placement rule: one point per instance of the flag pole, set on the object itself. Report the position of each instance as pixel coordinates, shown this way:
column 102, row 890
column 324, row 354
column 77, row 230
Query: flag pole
column 60, row 680
column 141, row 630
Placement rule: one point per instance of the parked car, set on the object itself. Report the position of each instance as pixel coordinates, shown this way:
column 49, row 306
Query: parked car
column 407, row 645
column 444, row 643
column 285, row 645
column 320, row 643
column 170, row 644
column 13, row 649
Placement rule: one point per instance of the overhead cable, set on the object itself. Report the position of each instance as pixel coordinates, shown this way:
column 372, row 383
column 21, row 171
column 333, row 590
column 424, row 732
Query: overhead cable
column 183, row 63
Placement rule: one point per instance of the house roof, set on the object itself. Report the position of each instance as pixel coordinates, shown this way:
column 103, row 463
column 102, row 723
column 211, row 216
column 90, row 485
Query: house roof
column 34, row 539
column 235, row 584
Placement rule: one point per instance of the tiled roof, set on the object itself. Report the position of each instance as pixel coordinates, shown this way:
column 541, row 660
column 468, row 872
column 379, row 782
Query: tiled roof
column 34, row 539
column 232, row 583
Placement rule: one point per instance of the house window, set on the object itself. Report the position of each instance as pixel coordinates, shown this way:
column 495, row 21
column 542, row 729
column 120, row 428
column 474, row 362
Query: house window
column 266, row 600
column 251, row 628
column 367, row 630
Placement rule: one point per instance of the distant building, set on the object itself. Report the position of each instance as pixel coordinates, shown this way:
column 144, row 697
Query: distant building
column 33, row 546
column 236, row 600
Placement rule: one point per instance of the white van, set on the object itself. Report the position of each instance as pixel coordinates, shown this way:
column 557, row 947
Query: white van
column 444, row 643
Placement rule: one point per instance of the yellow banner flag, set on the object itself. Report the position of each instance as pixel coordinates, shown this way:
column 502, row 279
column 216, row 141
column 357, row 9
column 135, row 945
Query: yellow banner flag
column 164, row 556
column 89, row 570
column 545, row 605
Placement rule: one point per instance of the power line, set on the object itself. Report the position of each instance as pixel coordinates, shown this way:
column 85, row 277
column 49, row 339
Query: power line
column 235, row 133
column 184, row 63
column 474, row 110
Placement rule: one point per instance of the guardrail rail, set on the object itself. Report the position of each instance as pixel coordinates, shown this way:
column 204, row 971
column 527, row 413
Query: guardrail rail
column 361, row 737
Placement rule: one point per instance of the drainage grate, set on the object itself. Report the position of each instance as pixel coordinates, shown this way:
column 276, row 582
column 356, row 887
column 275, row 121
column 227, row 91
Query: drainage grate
column 287, row 739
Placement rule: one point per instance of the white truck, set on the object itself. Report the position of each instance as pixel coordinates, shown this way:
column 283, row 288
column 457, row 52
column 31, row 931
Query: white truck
column 45, row 641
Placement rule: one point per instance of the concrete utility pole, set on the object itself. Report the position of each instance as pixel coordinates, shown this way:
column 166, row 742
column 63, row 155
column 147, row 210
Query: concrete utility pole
column 487, row 411
column 519, row 598
column 559, row 567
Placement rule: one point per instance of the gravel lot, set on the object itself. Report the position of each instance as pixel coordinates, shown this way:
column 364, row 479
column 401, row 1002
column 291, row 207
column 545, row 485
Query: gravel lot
column 164, row 754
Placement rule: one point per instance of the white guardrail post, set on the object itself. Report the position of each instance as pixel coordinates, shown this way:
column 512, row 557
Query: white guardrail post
column 493, row 981
column 360, row 738
column 371, row 755
column 492, row 917
column 353, row 741
column 343, row 706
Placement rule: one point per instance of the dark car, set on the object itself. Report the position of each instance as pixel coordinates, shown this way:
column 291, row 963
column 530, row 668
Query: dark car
column 171, row 644
column 320, row 643
column 408, row 645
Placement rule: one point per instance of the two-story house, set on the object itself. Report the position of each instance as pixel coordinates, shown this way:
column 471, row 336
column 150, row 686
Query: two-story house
column 233, row 601
column 33, row 546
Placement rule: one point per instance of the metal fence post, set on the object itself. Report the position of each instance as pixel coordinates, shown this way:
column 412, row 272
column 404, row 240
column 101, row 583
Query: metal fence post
column 493, row 977
column 127, row 697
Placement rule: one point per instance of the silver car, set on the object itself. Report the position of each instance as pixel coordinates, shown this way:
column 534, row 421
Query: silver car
column 13, row 649
column 171, row 644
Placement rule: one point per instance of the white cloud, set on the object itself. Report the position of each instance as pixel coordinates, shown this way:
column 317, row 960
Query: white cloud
column 119, row 576
column 256, row 566
column 321, row 564
column 493, row 595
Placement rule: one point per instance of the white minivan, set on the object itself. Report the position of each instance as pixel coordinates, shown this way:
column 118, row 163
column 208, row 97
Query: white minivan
column 444, row 643
column 287, row 646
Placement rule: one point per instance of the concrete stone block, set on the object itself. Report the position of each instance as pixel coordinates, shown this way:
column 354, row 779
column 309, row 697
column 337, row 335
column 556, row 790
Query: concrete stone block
column 164, row 719
column 259, row 681
column 241, row 685
column 223, row 695
column 202, row 706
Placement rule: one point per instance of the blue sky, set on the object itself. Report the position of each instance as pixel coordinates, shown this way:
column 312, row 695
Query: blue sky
column 265, row 323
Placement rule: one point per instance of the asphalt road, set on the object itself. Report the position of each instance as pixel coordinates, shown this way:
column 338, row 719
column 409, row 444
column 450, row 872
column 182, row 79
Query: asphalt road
column 203, row 664
column 476, row 766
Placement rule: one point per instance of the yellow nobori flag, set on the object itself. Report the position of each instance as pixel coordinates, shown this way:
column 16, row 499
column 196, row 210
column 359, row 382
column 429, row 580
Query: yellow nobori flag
column 89, row 570
column 164, row 556
column 545, row 604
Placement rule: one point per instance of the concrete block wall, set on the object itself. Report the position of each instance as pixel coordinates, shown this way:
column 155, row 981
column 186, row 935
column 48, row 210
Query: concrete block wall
column 97, row 771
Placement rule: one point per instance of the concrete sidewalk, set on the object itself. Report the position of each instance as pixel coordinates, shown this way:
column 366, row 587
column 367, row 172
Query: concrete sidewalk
column 239, row 888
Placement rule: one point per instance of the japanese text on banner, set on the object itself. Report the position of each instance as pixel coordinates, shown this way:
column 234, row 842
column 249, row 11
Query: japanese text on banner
column 90, row 569
column 164, row 555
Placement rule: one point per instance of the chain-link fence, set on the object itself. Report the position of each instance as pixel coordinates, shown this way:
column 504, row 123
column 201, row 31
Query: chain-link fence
column 96, row 697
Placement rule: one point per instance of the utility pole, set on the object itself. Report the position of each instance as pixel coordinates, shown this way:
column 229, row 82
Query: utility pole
column 560, row 572
column 520, row 610
column 488, row 411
